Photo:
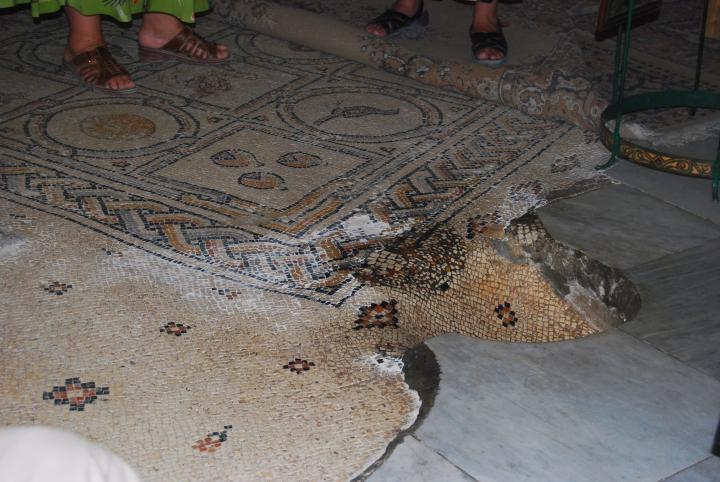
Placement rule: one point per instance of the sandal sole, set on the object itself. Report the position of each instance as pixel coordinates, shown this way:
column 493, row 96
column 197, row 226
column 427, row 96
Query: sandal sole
column 151, row 56
column 69, row 71
column 490, row 63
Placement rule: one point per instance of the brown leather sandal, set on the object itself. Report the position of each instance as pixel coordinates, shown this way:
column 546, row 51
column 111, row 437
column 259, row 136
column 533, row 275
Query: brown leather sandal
column 96, row 67
column 185, row 47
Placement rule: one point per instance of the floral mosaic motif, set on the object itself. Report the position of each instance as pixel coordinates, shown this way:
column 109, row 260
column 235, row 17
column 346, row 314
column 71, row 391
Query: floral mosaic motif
column 212, row 441
column 377, row 316
column 298, row 365
column 57, row 288
column 353, row 112
column 229, row 294
column 482, row 224
column 210, row 83
column 505, row 314
column 114, row 127
column 565, row 164
column 177, row 329
column 76, row 394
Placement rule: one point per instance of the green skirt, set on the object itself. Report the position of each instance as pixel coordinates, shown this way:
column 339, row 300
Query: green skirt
column 122, row 10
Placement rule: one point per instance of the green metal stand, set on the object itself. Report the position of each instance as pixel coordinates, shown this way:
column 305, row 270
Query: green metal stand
column 621, row 105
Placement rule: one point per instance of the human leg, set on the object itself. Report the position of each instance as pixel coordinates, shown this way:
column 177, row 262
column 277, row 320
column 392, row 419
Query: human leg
column 489, row 44
column 84, row 39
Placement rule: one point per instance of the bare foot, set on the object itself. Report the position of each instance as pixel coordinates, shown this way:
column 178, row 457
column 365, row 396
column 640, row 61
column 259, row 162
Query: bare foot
column 85, row 36
column 485, row 20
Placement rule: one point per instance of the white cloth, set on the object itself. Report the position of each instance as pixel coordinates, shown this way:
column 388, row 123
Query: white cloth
column 43, row 454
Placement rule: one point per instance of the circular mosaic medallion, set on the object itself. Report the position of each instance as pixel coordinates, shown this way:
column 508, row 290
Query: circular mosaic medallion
column 120, row 126
column 111, row 128
column 261, row 180
column 360, row 115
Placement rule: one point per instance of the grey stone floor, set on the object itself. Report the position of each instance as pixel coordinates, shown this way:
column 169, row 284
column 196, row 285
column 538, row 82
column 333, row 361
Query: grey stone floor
column 640, row 402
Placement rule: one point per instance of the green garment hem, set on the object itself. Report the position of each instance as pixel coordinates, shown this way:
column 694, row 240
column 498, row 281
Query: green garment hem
column 121, row 10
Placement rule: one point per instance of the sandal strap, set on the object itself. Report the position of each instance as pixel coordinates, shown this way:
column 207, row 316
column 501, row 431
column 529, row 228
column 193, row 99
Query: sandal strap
column 97, row 66
column 391, row 20
column 189, row 43
column 489, row 40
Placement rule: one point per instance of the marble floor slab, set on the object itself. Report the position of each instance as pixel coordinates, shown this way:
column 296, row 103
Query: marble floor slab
column 689, row 193
column 607, row 407
column 680, row 311
column 624, row 227
column 706, row 471
column 412, row 461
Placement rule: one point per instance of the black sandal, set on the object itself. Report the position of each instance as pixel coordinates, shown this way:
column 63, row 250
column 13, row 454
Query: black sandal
column 489, row 40
column 393, row 22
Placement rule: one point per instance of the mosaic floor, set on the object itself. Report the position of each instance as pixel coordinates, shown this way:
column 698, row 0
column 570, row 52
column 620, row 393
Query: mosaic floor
column 215, row 278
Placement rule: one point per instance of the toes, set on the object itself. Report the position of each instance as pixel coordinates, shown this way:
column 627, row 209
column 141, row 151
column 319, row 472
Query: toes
column 122, row 82
column 376, row 30
column 222, row 51
column 489, row 54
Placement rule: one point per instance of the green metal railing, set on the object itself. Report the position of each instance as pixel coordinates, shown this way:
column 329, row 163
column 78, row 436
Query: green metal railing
column 621, row 105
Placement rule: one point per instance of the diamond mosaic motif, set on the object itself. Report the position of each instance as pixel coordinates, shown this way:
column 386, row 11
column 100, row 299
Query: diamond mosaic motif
column 298, row 365
column 75, row 393
column 176, row 329
column 212, row 441
column 377, row 315
column 504, row 313
column 227, row 293
column 57, row 288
